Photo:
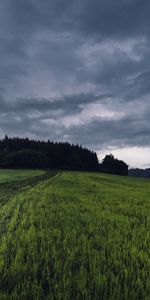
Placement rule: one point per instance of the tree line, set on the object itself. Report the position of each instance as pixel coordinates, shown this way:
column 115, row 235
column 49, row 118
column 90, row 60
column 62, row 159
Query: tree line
column 140, row 172
column 27, row 153
column 112, row 165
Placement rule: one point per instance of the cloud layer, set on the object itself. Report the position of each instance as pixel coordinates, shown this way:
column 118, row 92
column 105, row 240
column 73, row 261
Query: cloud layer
column 76, row 71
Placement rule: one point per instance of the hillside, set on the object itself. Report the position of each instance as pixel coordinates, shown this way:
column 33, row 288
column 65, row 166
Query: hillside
column 76, row 236
column 140, row 172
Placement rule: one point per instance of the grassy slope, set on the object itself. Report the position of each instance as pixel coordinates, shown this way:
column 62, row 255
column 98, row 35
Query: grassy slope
column 17, row 175
column 13, row 181
column 77, row 236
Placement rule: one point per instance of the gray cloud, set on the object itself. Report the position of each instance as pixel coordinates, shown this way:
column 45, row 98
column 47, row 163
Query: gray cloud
column 76, row 70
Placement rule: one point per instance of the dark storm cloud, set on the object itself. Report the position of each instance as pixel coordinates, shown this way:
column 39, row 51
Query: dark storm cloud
column 47, row 117
column 139, row 85
column 43, row 117
column 67, row 104
column 74, row 69
column 112, row 133
column 120, row 18
column 99, row 18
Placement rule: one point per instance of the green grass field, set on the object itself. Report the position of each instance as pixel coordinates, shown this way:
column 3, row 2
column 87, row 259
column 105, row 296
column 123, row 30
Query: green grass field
column 17, row 175
column 75, row 236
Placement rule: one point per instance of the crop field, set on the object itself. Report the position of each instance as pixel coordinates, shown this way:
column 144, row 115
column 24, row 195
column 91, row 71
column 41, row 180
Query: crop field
column 17, row 175
column 75, row 236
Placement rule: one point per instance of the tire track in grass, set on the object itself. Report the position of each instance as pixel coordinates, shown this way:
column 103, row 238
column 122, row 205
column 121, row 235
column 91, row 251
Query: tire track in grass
column 21, row 211
column 10, row 216
column 8, row 202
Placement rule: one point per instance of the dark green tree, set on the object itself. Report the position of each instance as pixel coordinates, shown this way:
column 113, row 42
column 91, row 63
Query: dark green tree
column 114, row 166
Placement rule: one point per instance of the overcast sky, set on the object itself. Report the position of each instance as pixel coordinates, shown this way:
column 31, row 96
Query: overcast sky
column 78, row 71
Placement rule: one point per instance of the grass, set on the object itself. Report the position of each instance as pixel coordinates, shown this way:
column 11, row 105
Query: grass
column 77, row 236
column 13, row 181
column 17, row 175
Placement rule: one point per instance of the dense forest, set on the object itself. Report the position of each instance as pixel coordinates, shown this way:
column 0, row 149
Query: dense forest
column 25, row 153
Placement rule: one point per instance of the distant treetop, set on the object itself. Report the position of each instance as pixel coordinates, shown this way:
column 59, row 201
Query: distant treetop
column 114, row 166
